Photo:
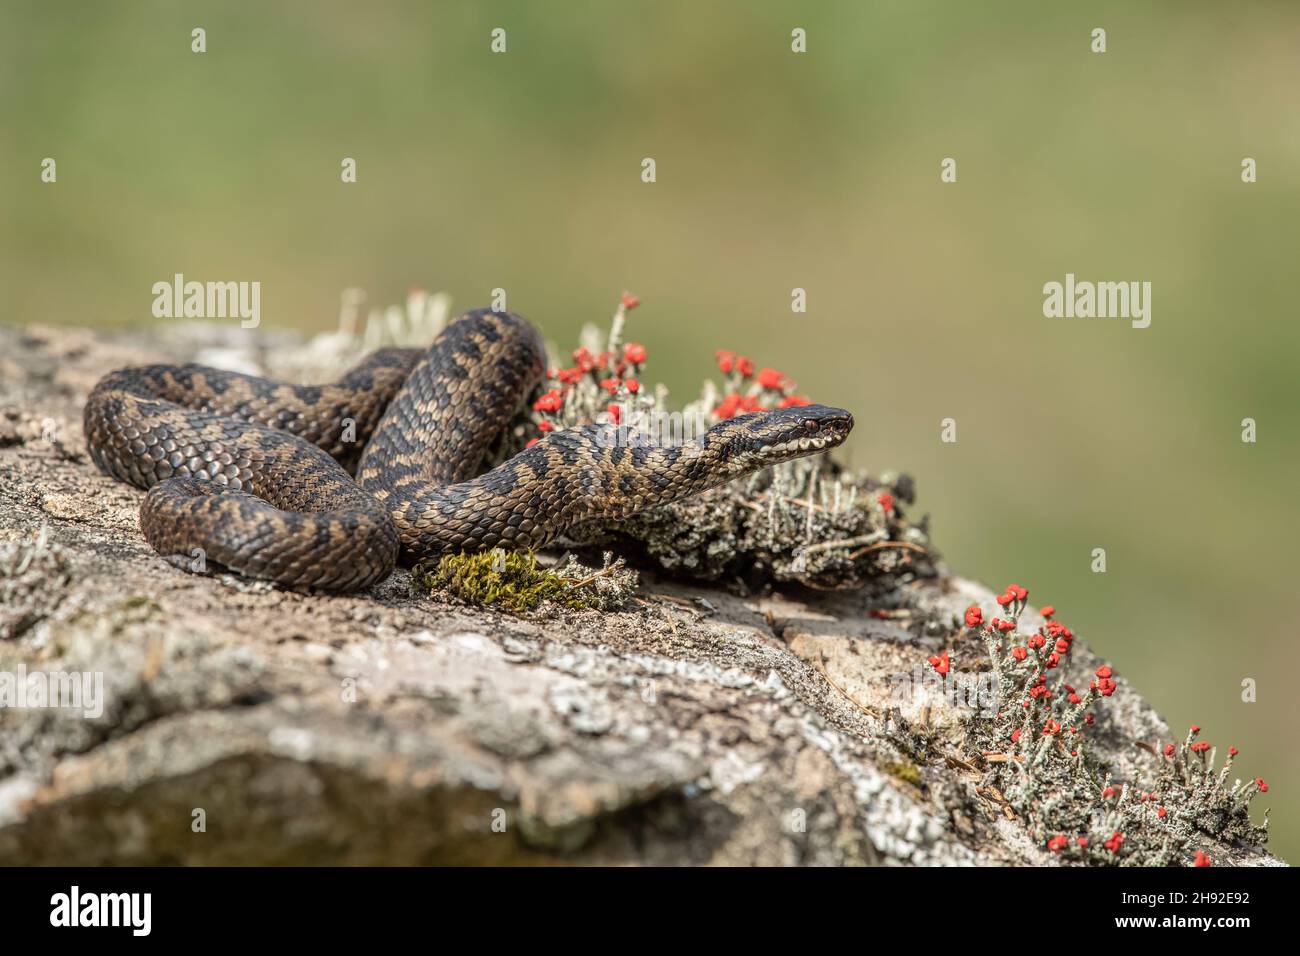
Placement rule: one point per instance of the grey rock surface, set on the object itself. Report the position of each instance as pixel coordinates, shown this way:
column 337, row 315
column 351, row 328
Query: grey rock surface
column 398, row 728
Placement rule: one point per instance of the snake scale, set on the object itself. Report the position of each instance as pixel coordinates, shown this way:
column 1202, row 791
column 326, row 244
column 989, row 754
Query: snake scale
column 258, row 474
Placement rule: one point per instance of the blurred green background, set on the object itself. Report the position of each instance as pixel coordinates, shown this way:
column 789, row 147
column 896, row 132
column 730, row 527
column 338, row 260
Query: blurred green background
column 775, row 171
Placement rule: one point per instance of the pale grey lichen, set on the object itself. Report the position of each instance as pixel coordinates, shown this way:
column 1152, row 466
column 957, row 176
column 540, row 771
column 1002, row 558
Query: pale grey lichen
column 803, row 522
column 30, row 567
column 1035, row 762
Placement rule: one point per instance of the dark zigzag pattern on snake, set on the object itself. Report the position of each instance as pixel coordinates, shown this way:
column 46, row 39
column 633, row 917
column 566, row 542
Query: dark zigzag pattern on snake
column 258, row 474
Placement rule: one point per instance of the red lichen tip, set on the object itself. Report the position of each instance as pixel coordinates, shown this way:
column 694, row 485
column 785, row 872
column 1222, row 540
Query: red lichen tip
column 552, row 401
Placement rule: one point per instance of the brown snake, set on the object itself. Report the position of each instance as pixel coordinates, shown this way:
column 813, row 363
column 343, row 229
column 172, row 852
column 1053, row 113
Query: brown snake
column 257, row 474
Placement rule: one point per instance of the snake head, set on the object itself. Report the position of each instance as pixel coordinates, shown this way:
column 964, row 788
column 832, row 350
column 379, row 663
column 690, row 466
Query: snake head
column 788, row 433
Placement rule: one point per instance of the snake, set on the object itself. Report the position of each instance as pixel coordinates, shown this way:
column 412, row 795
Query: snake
column 329, row 487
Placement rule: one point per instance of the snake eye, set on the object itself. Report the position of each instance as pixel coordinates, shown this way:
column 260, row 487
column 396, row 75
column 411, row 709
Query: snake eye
column 811, row 424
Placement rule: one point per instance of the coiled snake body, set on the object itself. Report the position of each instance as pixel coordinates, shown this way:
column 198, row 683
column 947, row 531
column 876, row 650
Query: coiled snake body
column 258, row 474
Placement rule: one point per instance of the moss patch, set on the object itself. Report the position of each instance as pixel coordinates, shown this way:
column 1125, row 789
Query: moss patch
column 512, row 581
column 907, row 772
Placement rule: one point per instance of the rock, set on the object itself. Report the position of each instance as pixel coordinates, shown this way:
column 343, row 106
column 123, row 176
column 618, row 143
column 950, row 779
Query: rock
column 245, row 725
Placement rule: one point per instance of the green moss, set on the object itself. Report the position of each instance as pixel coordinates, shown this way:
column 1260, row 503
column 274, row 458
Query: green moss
column 907, row 772
column 512, row 581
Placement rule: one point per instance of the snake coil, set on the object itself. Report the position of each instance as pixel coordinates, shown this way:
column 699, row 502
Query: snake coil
column 256, row 475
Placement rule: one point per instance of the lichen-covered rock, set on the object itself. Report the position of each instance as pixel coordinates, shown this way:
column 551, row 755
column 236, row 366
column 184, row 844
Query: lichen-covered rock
column 800, row 523
column 241, row 724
